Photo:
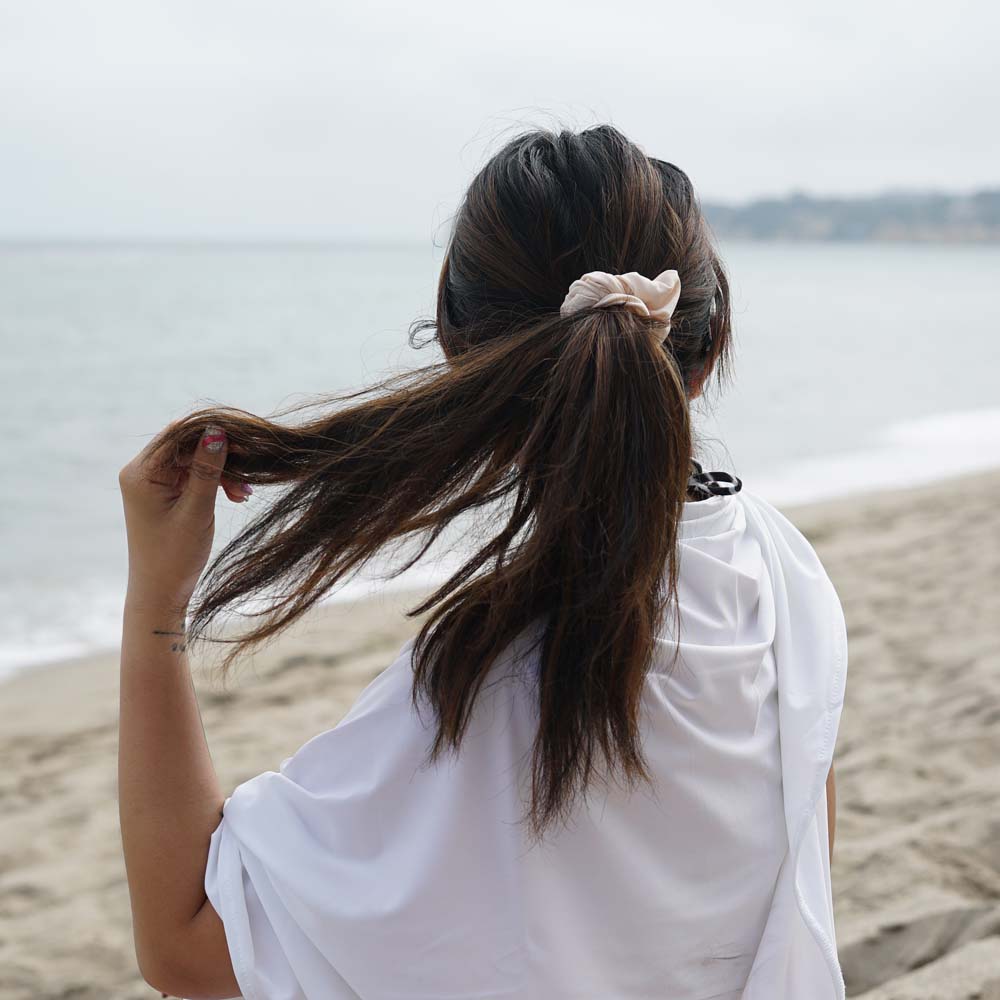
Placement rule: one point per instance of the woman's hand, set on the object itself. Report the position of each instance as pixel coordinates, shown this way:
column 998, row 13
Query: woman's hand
column 170, row 519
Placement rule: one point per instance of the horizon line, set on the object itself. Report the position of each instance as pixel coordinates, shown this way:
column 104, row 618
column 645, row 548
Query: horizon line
column 221, row 241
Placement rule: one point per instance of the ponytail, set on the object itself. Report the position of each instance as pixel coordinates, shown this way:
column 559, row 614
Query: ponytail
column 581, row 425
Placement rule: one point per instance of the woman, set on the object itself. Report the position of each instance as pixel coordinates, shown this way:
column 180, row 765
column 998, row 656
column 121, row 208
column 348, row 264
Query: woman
column 598, row 769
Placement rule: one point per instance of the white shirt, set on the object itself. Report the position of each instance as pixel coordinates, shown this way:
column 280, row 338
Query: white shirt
column 356, row 872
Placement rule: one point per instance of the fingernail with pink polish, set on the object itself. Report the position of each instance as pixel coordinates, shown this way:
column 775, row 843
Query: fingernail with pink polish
column 213, row 439
column 246, row 488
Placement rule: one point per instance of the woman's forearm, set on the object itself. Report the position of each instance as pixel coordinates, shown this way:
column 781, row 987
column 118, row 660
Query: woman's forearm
column 168, row 794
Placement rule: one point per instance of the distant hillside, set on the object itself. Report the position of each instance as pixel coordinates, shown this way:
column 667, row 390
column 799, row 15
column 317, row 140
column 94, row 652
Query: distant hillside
column 920, row 217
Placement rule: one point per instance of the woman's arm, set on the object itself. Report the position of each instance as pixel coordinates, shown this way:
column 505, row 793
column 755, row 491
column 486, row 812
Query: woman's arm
column 168, row 796
column 831, row 809
column 169, row 804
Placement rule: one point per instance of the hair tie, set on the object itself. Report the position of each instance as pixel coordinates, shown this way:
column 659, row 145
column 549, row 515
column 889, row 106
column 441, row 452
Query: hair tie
column 655, row 297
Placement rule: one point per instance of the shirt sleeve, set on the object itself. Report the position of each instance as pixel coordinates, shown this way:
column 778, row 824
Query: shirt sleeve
column 264, row 944
column 811, row 650
column 287, row 861
column 361, row 868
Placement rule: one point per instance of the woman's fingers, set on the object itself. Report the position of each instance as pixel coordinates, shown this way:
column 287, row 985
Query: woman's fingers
column 236, row 490
column 177, row 476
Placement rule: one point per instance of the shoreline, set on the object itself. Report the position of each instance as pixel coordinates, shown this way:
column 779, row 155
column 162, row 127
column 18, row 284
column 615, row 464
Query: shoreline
column 863, row 490
column 916, row 871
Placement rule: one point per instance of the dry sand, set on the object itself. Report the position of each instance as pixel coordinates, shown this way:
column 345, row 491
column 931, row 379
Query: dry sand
column 917, row 862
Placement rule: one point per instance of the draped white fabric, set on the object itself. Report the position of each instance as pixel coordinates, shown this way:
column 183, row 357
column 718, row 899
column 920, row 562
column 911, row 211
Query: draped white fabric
column 355, row 871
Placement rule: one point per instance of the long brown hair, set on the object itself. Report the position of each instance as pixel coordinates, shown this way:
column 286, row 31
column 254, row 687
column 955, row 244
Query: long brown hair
column 576, row 429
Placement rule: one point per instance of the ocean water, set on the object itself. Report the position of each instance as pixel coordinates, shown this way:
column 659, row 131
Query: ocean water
column 858, row 367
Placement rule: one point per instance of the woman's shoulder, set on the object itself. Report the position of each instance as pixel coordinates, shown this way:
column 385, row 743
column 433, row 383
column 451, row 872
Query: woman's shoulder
column 382, row 711
column 387, row 714
column 774, row 517
column 801, row 564
column 779, row 526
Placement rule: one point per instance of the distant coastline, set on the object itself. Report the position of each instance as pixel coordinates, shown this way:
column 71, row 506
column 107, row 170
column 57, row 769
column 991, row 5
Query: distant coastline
column 892, row 217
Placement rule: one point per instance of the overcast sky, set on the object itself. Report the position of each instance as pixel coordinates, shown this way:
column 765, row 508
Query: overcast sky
column 235, row 119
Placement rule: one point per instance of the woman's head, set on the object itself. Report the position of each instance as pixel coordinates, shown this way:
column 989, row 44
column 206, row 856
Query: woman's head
column 550, row 206
column 571, row 433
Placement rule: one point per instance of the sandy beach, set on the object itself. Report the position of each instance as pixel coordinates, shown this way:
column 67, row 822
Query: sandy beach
column 916, row 871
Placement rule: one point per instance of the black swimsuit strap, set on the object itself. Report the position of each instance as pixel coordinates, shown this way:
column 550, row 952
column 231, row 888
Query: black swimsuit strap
column 709, row 484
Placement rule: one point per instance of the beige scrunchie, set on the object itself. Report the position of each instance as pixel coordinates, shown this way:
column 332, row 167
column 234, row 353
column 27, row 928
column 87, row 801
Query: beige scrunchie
column 656, row 298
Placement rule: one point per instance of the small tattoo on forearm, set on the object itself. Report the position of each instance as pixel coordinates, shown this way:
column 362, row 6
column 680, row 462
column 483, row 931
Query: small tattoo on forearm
column 176, row 647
